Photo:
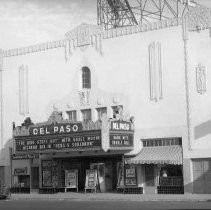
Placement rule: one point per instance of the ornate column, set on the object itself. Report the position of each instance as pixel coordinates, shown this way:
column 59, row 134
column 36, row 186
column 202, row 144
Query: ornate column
column 187, row 77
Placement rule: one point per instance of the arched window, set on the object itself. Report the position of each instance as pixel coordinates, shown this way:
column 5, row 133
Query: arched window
column 86, row 77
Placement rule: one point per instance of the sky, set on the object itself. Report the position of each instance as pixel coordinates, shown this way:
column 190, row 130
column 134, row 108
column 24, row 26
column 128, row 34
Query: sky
column 26, row 22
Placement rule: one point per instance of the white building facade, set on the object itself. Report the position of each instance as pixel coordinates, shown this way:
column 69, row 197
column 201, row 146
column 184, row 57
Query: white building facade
column 157, row 72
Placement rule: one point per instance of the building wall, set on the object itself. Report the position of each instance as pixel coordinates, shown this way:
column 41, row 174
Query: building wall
column 122, row 71
column 123, row 67
column 198, row 50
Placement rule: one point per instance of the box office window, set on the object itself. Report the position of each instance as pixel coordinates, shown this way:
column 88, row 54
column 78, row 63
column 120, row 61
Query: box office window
column 86, row 114
column 72, row 115
column 100, row 112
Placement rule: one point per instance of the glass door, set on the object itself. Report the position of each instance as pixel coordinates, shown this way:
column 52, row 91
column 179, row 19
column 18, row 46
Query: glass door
column 149, row 179
column 100, row 167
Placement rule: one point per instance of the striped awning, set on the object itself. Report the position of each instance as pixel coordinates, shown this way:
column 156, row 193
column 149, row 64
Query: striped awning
column 158, row 155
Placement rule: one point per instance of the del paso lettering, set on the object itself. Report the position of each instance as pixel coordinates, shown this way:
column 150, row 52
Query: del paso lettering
column 55, row 129
column 120, row 126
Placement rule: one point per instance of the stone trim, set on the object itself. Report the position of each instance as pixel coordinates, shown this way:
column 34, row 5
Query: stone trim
column 112, row 33
column 199, row 18
column 33, row 48
column 96, row 32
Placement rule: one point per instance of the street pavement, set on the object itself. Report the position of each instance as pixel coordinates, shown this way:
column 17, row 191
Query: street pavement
column 99, row 205
column 104, row 201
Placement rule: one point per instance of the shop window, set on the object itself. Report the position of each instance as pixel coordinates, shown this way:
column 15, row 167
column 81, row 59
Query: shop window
column 100, row 112
column 72, row 115
column 24, row 181
column 116, row 110
column 162, row 142
column 86, row 77
column 86, row 114
column 171, row 175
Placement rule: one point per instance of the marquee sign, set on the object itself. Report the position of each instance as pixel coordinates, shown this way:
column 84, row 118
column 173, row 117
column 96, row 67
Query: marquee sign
column 121, row 140
column 120, row 126
column 55, row 129
column 121, row 134
column 24, row 156
column 83, row 140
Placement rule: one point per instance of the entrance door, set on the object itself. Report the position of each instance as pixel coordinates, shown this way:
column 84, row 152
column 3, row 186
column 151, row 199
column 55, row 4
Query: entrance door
column 100, row 167
column 35, row 177
column 149, row 179
column 202, row 176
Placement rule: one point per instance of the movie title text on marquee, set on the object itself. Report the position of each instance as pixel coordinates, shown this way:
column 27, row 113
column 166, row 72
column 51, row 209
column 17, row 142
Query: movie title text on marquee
column 55, row 129
column 60, row 142
column 121, row 140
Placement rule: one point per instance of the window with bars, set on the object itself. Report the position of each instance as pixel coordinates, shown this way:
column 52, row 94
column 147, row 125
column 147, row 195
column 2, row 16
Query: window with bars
column 100, row 112
column 72, row 115
column 86, row 114
column 86, row 78
column 162, row 142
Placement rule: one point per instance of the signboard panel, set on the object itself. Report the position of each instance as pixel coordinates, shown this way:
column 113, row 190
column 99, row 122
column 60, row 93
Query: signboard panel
column 130, row 175
column 20, row 171
column 24, row 156
column 55, row 129
column 121, row 140
column 91, row 179
column 47, row 173
column 71, row 178
column 83, row 140
column 120, row 126
column 121, row 134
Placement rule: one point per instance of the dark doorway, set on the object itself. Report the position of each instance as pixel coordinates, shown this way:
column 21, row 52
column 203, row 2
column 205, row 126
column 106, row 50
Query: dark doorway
column 35, row 177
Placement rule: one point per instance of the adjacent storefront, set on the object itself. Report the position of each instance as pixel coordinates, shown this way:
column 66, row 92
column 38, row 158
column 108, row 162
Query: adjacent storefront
column 159, row 166
column 25, row 172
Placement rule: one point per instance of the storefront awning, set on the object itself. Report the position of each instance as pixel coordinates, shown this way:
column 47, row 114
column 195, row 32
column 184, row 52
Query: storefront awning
column 158, row 155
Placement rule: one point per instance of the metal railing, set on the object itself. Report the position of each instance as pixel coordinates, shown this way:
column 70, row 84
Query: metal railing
column 171, row 181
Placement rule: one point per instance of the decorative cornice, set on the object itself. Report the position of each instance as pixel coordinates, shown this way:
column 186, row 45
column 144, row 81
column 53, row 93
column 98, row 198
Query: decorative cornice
column 33, row 48
column 77, row 37
column 199, row 18
column 83, row 29
column 112, row 33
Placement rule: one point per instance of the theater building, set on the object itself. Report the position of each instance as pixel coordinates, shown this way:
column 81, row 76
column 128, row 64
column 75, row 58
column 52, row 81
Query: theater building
column 124, row 102
column 63, row 146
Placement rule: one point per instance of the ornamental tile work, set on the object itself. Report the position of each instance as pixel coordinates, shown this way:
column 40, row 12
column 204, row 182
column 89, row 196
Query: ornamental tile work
column 199, row 18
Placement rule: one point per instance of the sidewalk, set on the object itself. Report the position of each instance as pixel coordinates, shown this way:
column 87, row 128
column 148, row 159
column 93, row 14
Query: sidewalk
column 111, row 197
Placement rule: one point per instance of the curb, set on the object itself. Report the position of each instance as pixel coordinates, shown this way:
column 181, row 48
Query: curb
column 110, row 199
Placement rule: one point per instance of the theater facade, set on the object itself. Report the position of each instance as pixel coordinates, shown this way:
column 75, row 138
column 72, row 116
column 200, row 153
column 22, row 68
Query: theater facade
column 58, row 149
column 114, row 110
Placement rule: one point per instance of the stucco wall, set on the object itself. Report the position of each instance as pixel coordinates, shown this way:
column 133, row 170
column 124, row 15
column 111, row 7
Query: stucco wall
column 199, row 49
column 123, row 67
